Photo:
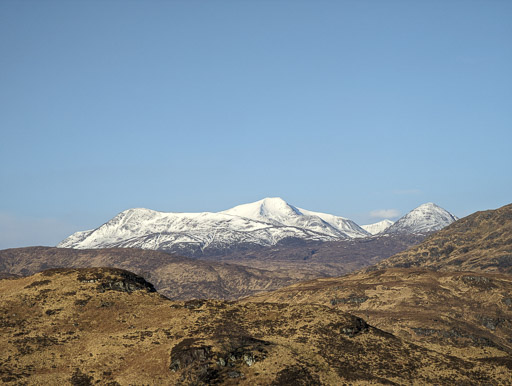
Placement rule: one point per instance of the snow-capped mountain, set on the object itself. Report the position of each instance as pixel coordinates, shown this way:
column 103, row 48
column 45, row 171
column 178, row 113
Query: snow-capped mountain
column 264, row 223
column 425, row 218
column 377, row 227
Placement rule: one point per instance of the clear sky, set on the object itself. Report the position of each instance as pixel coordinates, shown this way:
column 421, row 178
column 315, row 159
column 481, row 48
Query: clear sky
column 348, row 107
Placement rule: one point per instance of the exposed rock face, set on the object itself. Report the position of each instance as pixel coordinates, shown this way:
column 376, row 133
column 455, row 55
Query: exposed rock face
column 224, row 358
column 105, row 278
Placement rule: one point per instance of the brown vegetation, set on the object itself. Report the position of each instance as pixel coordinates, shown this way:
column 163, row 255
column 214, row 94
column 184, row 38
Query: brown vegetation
column 176, row 277
column 82, row 327
column 479, row 242
column 320, row 259
column 463, row 314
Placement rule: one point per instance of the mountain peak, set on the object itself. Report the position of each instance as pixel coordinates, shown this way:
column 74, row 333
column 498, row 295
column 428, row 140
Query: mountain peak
column 428, row 205
column 270, row 209
column 426, row 218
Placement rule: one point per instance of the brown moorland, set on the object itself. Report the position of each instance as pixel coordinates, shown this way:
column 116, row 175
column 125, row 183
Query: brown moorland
column 320, row 259
column 481, row 241
column 108, row 326
column 465, row 314
column 452, row 293
column 176, row 277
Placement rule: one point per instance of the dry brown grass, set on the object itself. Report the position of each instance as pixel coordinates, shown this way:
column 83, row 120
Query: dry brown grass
column 465, row 314
column 101, row 325
column 176, row 277
column 479, row 242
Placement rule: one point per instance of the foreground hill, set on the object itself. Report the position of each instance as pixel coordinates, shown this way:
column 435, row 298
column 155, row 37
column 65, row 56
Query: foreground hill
column 481, row 241
column 108, row 326
column 458, row 313
column 174, row 276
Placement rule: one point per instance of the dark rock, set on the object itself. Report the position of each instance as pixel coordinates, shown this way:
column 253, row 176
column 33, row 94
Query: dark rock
column 80, row 379
column 491, row 323
column 295, row 376
column 187, row 352
column 195, row 303
column 357, row 327
column 478, row 281
column 128, row 282
column 81, row 302
column 38, row 283
column 350, row 300
column 203, row 363
column 234, row 374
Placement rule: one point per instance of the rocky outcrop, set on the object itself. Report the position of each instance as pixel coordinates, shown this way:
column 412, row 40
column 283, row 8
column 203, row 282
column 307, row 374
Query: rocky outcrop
column 107, row 279
column 214, row 361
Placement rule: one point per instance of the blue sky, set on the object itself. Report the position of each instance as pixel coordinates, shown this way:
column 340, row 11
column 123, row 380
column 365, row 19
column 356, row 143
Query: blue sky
column 345, row 107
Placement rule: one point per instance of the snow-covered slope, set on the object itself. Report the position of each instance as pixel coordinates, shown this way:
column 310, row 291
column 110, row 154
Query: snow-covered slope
column 263, row 223
column 278, row 212
column 377, row 227
column 424, row 219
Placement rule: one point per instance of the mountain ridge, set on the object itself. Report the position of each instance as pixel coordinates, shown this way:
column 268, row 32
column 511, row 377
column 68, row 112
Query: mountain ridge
column 266, row 222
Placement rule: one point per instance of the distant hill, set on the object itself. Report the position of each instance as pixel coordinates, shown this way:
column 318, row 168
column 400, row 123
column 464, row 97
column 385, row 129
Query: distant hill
column 331, row 258
column 481, row 241
column 174, row 276
column 262, row 223
column 108, row 326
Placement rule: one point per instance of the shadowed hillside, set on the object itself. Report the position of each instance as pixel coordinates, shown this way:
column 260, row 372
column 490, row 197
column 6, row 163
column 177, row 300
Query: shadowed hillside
column 330, row 258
